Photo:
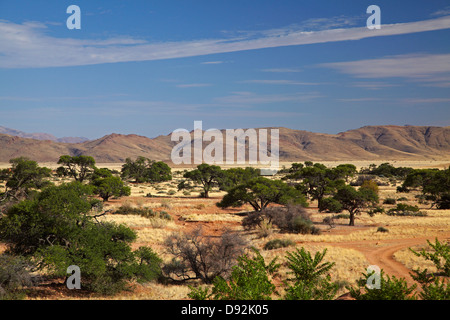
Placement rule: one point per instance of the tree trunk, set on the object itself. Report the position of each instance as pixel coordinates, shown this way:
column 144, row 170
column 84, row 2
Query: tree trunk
column 352, row 219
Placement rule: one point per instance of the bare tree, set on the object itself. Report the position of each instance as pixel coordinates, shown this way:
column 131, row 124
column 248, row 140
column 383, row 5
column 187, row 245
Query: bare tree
column 197, row 256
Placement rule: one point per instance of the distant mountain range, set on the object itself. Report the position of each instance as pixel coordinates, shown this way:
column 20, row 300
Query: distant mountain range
column 366, row 143
column 41, row 136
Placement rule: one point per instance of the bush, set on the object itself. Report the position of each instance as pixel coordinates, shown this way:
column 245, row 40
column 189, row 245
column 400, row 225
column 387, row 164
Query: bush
column 250, row 280
column 389, row 201
column 405, row 210
column 304, row 226
column 196, row 256
column 278, row 243
column 382, row 229
column 311, row 279
column 390, row 288
column 14, row 277
column 439, row 255
column 330, row 205
column 143, row 212
column 292, row 218
column 373, row 211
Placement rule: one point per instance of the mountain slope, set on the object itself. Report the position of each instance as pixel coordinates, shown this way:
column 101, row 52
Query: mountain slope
column 41, row 136
column 366, row 143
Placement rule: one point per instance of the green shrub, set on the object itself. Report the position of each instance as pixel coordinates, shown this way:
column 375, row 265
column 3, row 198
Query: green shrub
column 250, row 280
column 439, row 255
column 278, row 243
column 382, row 229
column 14, row 277
column 405, row 210
column 311, row 279
column 390, row 288
column 304, row 226
column 342, row 216
column 373, row 211
column 389, row 201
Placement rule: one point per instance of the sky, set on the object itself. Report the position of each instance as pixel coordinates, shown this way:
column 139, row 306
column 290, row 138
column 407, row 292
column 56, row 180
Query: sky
column 151, row 67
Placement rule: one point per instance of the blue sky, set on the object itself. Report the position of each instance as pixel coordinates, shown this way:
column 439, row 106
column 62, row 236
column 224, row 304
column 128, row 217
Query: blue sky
column 150, row 67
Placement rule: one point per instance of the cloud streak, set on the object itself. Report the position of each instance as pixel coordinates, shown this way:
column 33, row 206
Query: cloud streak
column 28, row 46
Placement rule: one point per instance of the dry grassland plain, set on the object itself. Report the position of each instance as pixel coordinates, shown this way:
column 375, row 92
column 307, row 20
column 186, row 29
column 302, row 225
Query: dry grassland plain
column 351, row 248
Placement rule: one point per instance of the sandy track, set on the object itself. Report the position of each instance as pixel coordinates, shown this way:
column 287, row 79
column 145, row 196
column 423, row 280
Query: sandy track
column 381, row 253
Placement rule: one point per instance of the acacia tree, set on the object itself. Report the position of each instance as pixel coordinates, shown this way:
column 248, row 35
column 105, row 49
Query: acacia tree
column 110, row 186
column 57, row 229
column 354, row 200
column 23, row 176
column 317, row 180
column 77, row 167
column 438, row 189
column 233, row 177
column 208, row 176
column 260, row 192
column 146, row 170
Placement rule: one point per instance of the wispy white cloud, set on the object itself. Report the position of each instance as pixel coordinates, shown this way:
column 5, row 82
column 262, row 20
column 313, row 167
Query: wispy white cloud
column 194, row 85
column 426, row 100
column 282, row 70
column 281, row 82
column 250, row 98
column 360, row 99
column 443, row 12
column 28, row 46
column 400, row 66
column 213, row 62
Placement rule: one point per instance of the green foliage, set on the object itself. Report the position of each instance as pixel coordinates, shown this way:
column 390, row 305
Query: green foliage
column 109, row 187
column 208, row 176
column 15, row 276
column 24, row 176
column 291, row 218
column 403, row 209
column 390, row 288
column 389, row 201
column 374, row 210
column 278, row 243
column 382, row 229
column 146, row 170
column 233, row 177
column 57, row 230
column 330, row 205
column 371, row 185
column 354, row 200
column 439, row 254
column 250, row 280
column 305, row 268
column 304, row 226
column 311, row 279
column 387, row 170
column 260, row 192
column 143, row 212
column 317, row 181
column 77, row 167
column 49, row 219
